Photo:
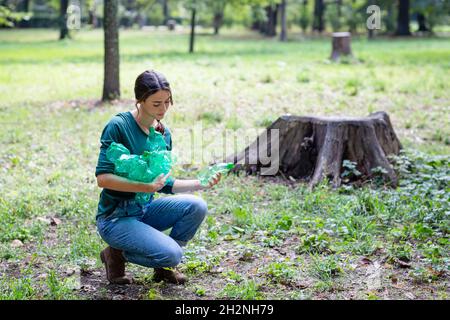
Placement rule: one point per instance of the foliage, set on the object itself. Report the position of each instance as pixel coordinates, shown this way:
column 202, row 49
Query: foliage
column 8, row 17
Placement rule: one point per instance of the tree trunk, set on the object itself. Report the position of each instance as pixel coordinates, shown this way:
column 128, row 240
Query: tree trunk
column 218, row 20
column 165, row 5
column 313, row 148
column 256, row 22
column 319, row 10
column 341, row 45
column 422, row 23
column 283, row 35
column 403, row 18
column 93, row 19
column 64, row 31
column 270, row 27
column 192, row 38
column 111, row 83
column 304, row 16
column 25, row 6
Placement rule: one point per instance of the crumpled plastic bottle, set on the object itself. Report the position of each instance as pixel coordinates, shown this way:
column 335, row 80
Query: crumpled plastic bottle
column 115, row 151
column 155, row 141
column 206, row 174
column 144, row 168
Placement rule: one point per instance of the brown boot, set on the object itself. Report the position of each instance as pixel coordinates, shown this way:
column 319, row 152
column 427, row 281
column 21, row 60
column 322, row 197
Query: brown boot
column 115, row 266
column 169, row 275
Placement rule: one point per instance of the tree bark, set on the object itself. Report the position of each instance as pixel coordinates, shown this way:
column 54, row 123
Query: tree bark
column 283, row 34
column 111, row 82
column 313, row 148
column 192, row 37
column 403, row 18
column 64, row 31
column 318, row 21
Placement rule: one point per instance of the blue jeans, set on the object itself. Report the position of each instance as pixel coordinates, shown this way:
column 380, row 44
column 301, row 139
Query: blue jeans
column 137, row 229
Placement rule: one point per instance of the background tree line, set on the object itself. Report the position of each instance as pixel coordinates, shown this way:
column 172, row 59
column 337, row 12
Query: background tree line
column 269, row 17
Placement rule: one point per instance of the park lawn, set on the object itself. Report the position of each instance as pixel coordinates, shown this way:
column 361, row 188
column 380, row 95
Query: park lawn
column 263, row 238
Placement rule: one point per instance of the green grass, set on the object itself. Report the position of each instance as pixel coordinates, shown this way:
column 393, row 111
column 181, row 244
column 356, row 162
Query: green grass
column 50, row 130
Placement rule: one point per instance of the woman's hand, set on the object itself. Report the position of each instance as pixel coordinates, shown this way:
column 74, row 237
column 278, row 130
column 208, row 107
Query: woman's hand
column 158, row 183
column 194, row 185
column 215, row 180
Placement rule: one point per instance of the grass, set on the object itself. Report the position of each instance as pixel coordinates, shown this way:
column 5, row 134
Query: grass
column 261, row 239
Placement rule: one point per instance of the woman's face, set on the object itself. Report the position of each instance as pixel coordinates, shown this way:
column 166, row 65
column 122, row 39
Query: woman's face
column 157, row 104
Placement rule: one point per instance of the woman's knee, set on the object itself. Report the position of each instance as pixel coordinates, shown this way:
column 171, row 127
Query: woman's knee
column 172, row 256
column 198, row 207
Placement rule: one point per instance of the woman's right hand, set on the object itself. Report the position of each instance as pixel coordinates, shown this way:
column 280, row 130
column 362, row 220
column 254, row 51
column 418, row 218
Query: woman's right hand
column 158, row 183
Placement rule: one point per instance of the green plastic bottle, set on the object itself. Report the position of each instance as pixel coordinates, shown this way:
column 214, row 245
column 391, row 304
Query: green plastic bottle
column 115, row 151
column 206, row 174
column 155, row 141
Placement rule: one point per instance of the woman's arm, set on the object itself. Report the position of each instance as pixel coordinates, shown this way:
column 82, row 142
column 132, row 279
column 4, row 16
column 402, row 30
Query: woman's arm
column 193, row 185
column 117, row 183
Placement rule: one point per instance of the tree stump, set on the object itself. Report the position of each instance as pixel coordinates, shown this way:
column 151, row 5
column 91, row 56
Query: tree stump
column 171, row 23
column 314, row 148
column 341, row 45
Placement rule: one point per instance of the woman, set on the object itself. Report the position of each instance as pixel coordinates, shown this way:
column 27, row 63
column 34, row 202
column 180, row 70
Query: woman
column 134, row 231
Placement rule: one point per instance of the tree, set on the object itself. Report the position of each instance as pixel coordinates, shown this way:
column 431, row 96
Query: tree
column 319, row 10
column 403, row 18
column 111, row 84
column 194, row 6
column 421, row 21
column 192, row 37
column 429, row 13
column 165, row 5
column 269, row 28
column 304, row 16
column 283, row 34
column 64, row 31
column 8, row 18
column 218, row 11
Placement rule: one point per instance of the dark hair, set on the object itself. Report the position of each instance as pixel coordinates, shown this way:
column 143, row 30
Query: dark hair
column 148, row 83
